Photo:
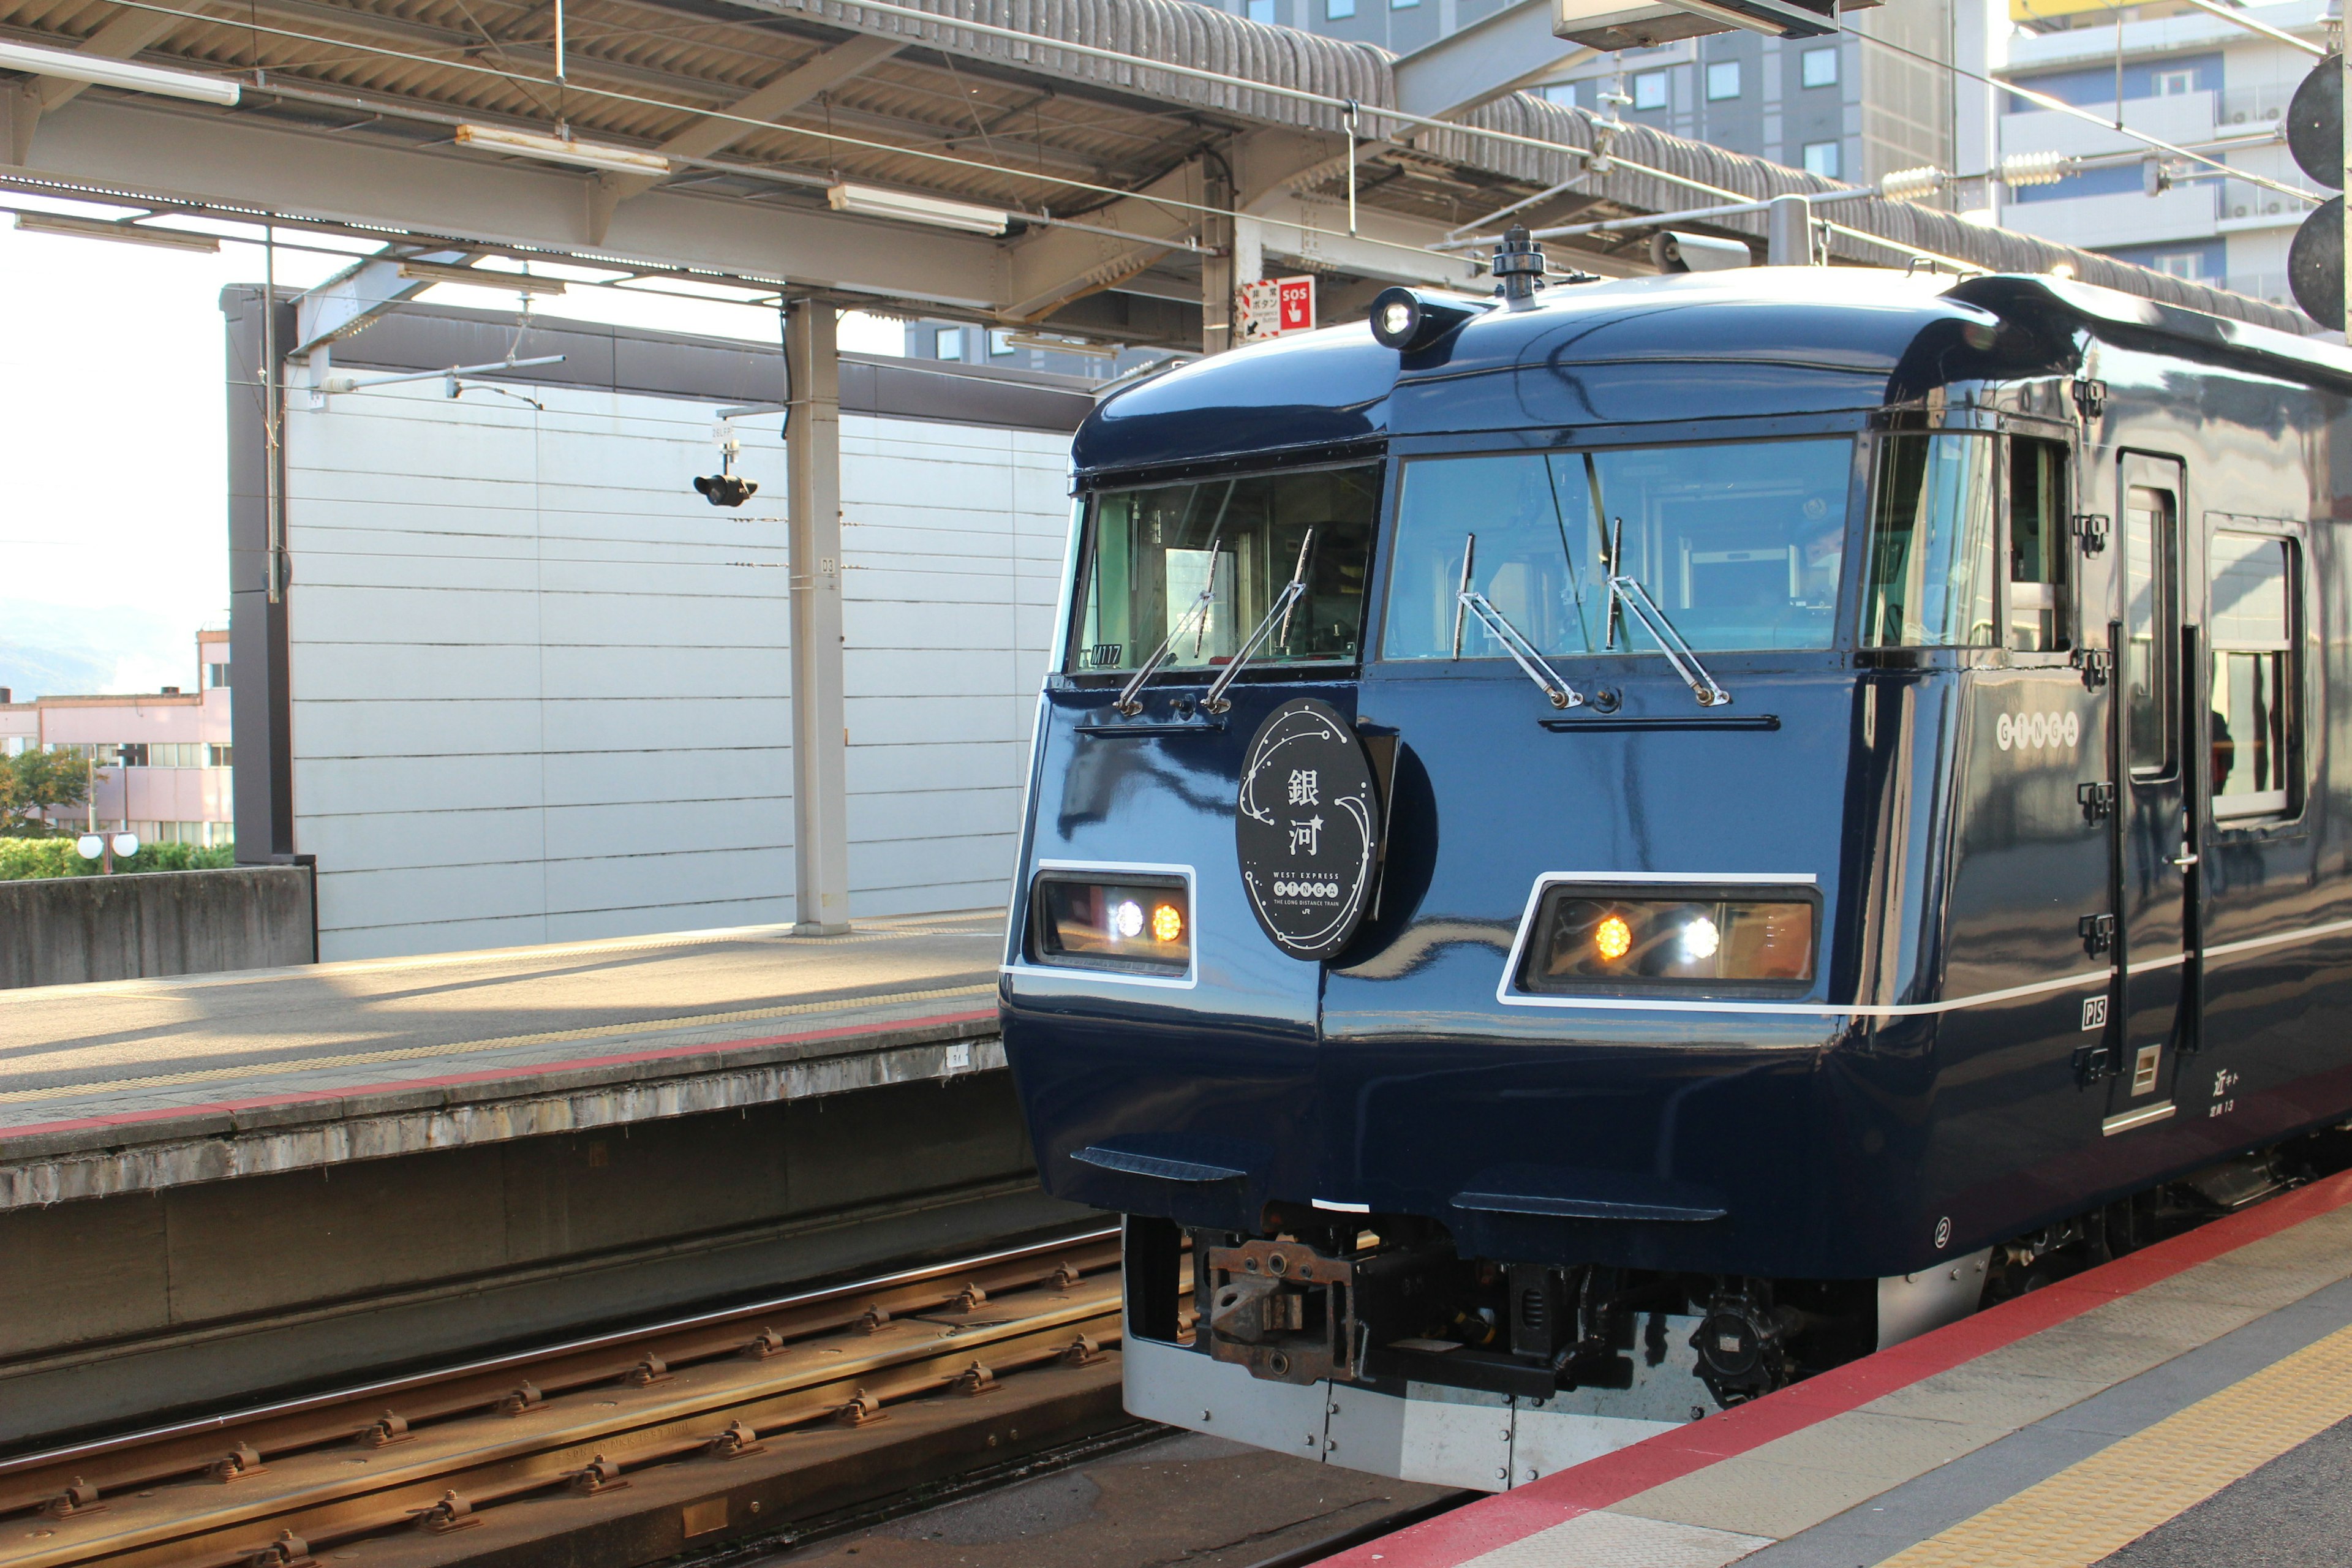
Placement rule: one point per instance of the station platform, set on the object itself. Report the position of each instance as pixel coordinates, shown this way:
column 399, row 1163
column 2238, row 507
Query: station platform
column 2186, row 1405
column 256, row 1183
column 140, row 1085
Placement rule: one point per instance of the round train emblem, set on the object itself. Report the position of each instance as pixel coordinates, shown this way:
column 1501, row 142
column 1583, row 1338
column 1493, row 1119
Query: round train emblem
column 1307, row 829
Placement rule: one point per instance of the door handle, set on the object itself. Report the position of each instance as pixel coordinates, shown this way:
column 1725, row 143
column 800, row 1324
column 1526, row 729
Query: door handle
column 2186, row 858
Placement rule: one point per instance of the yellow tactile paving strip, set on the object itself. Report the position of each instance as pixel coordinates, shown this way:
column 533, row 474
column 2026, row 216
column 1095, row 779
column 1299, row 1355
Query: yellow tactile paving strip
column 2104, row 1503
column 851, row 1004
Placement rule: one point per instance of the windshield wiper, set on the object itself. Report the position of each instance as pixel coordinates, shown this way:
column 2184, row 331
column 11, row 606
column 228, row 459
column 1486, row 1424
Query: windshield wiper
column 1499, row 626
column 1629, row 593
column 1215, row 702
column 1127, row 702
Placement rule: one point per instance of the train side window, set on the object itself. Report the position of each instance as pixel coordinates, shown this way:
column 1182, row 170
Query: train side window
column 2037, row 546
column 2150, row 614
column 2252, row 730
column 1931, row 543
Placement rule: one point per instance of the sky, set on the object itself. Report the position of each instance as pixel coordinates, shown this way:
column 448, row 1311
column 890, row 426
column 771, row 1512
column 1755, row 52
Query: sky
column 113, row 510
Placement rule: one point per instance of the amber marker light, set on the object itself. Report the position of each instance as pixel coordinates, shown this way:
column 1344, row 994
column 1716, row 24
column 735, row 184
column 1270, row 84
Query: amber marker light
column 1612, row 938
column 1166, row 925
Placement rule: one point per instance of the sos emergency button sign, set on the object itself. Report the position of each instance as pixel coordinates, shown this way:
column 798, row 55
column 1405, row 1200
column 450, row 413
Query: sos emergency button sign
column 1273, row 306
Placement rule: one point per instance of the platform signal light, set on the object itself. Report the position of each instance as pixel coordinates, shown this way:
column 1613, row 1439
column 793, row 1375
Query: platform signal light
column 2315, row 135
column 725, row 489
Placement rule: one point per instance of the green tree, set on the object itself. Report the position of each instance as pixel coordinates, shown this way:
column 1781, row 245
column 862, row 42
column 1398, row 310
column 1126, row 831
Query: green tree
column 32, row 782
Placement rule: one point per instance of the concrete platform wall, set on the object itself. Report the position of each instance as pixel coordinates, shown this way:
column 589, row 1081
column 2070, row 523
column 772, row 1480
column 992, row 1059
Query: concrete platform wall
column 123, row 1310
column 67, row 930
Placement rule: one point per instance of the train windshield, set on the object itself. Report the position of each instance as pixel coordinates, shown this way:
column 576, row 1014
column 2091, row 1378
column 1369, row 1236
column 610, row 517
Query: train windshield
column 1208, row 560
column 1740, row 543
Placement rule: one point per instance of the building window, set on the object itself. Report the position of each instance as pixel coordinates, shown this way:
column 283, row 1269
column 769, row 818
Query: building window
column 1402, row 4
column 1819, row 67
column 1000, row 340
column 1822, row 158
column 2170, row 84
column 1339, row 10
column 1564, row 94
column 2189, row 265
column 1262, row 11
column 1649, row 90
column 1722, row 80
column 947, row 342
column 217, row 756
column 217, row 675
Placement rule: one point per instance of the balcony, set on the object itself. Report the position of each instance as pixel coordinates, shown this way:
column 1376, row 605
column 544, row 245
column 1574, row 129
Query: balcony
column 2102, row 223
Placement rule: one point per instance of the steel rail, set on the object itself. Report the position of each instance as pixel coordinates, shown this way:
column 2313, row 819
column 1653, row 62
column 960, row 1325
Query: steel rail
column 697, row 1390
column 86, row 1454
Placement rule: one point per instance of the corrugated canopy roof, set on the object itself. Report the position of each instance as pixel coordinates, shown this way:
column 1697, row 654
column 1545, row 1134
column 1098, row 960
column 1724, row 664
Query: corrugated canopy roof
column 937, row 106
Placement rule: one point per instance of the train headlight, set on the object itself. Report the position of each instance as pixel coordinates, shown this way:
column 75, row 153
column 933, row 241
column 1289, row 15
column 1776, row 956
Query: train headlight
column 1409, row 318
column 1612, row 939
column 1585, row 936
column 1700, row 939
column 1134, row 922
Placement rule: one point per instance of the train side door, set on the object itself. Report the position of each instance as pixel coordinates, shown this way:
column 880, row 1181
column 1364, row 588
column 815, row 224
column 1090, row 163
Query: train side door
column 2156, row 816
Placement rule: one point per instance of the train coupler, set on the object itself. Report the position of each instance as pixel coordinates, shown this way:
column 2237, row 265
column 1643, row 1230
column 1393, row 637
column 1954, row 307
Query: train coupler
column 1284, row 1311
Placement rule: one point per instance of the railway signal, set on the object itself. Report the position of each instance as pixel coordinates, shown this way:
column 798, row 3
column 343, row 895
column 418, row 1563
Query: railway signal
column 2315, row 135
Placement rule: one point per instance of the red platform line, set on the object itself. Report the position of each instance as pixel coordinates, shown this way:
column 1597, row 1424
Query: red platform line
column 1481, row 1527
column 491, row 1075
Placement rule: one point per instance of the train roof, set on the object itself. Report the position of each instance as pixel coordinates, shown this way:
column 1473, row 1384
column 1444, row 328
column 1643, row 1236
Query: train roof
column 1760, row 341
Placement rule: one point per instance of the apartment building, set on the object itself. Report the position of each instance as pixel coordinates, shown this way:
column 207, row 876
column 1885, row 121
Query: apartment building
column 1841, row 107
column 159, row 761
column 2191, row 79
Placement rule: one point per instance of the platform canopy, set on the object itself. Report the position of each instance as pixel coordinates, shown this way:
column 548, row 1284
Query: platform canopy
column 1139, row 156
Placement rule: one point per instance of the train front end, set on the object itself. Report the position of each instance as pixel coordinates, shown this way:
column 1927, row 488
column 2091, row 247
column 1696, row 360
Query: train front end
column 1439, row 912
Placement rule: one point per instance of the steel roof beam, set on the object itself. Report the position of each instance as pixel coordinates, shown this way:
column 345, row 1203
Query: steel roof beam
column 243, row 160
column 362, row 291
column 123, row 36
column 715, row 133
column 1483, row 61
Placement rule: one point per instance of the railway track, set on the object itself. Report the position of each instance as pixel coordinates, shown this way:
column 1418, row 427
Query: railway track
column 624, row 1449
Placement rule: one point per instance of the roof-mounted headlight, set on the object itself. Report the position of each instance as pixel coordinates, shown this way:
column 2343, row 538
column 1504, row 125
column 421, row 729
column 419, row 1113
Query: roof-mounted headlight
column 1406, row 319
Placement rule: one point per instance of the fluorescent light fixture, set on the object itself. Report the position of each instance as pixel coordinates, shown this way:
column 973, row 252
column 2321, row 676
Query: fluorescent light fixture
column 873, row 201
column 129, row 234
column 481, row 277
column 562, row 150
column 1062, row 345
column 76, row 65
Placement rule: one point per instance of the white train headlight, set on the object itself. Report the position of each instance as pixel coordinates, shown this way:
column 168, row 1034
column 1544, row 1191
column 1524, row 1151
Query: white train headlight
column 1585, row 936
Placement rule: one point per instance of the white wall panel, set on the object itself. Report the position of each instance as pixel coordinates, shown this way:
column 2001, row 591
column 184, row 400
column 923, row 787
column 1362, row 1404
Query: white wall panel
column 541, row 689
column 350, row 786
column 643, row 776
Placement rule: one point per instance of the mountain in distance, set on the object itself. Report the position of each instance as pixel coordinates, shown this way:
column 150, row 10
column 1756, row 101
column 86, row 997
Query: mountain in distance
column 56, row 650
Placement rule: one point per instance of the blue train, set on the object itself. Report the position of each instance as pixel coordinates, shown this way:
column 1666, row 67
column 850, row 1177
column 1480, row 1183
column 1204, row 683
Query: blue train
column 1590, row 856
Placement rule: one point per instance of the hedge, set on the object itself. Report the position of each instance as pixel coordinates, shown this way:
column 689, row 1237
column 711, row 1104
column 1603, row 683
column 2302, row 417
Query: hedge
column 22, row 859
